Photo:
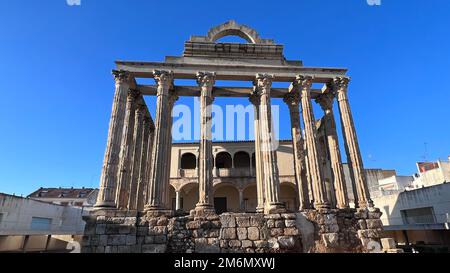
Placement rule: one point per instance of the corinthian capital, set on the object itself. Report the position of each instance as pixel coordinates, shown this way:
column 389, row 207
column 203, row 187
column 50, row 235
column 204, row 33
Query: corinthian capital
column 163, row 78
column 263, row 83
column 341, row 83
column 121, row 76
column 206, row 79
column 326, row 101
column 304, row 81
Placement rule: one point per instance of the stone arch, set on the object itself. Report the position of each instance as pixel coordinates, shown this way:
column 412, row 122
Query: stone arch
column 172, row 196
column 231, row 28
column 241, row 160
column 229, row 193
column 189, row 195
column 223, row 160
column 289, row 196
column 188, row 161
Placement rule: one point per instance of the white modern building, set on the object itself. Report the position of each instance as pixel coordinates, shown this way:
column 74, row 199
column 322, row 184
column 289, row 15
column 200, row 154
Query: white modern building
column 31, row 225
column 416, row 209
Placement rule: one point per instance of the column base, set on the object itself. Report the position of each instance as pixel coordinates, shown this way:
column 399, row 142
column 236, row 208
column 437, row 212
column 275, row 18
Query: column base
column 105, row 205
column 260, row 210
column 203, row 210
column 275, row 208
column 156, row 211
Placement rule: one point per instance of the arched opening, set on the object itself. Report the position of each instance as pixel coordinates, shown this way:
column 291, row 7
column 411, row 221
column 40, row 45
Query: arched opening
column 189, row 196
column 250, row 199
column 224, row 161
column 241, row 160
column 233, row 32
column 288, row 196
column 226, row 199
column 188, row 161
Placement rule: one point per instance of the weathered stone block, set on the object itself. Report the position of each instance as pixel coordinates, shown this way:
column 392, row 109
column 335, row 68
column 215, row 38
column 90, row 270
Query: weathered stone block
column 261, row 244
column 149, row 240
column 330, row 239
column 234, row 243
column 279, row 224
column 242, row 233
column 289, row 216
column 257, row 221
column 291, row 231
column 100, row 229
column 158, row 230
column 243, row 221
column 290, row 223
column 160, row 239
column 270, row 223
column 131, row 240
column 247, row 244
column 374, row 223
column 163, row 221
column 228, row 233
column 99, row 249
column 193, row 225
column 253, row 233
column 154, row 248
column 115, row 240
column 362, row 224
column 286, row 242
column 228, row 221
column 103, row 240
column 275, row 232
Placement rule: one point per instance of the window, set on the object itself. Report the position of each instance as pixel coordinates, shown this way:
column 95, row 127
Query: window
column 418, row 216
column 224, row 161
column 41, row 224
column 188, row 162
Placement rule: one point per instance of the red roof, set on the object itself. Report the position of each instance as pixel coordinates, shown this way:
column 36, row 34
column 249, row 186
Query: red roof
column 61, row 193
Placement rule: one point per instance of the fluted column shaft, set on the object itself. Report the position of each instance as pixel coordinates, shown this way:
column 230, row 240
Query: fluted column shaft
column 255, row 100
column 137, row 154
column 160, row 161
column 126, row 153
column 326, row 102
column 319, row 191
column 268, row 152
column 140, row 193
column 206, row 82
column 150, row 140
column 351, row 140
column 292, row 99
column 108, row 180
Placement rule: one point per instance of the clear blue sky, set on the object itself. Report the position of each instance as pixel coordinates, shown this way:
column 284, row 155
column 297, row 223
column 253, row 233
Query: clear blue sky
column 56, row 84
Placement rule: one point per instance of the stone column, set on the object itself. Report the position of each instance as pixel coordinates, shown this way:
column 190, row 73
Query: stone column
column 326, row 102
column 160, row 161
column 108, row 180
column 126, row 153
column 268, row 151
column 255, row 100
column 178, row 200
column 241, row 200
column 292, row 99
column 143, row 197
column 206, row 82
column 349, row 132
column 137, row 154
column 319, row 191
column 140, row 193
